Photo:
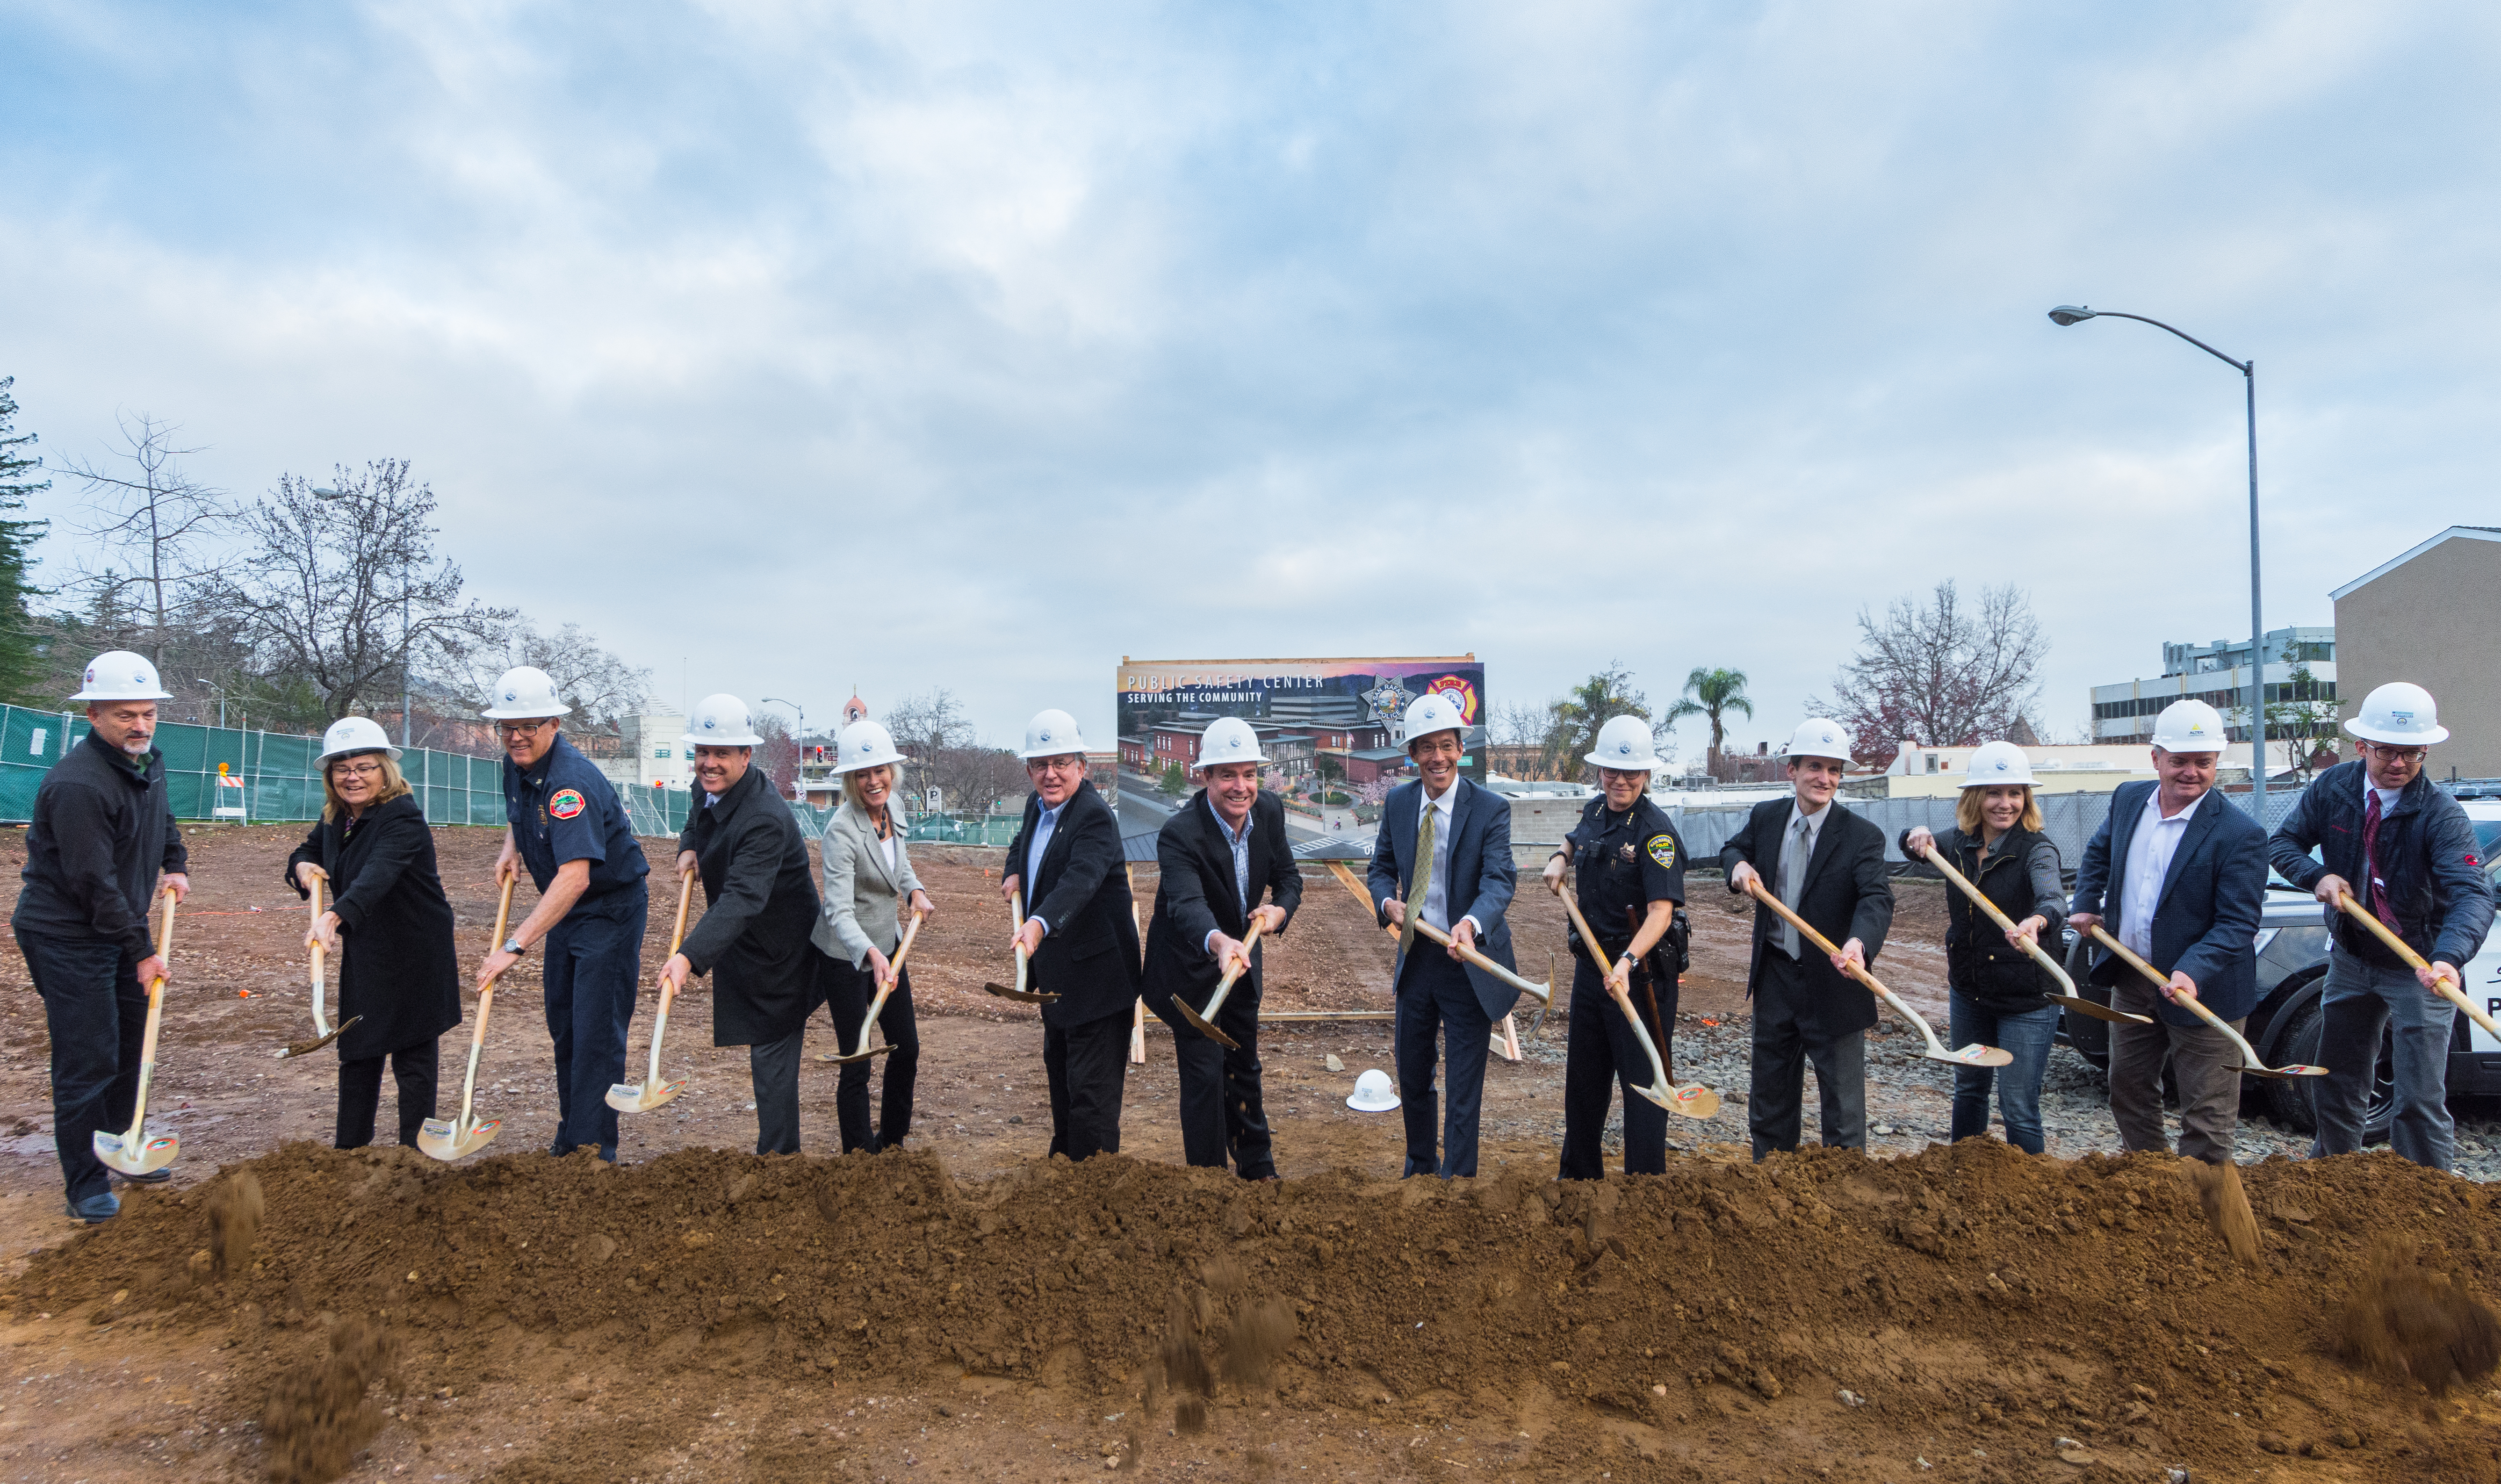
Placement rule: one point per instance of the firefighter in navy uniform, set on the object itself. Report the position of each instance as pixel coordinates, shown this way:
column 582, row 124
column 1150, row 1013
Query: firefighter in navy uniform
column 1631, row 886
column 566, row 826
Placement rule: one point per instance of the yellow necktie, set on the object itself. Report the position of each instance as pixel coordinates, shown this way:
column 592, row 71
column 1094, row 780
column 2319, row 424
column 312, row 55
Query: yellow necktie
column 1424, row 882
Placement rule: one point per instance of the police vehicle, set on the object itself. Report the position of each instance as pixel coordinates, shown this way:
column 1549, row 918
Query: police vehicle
column 2292, row 971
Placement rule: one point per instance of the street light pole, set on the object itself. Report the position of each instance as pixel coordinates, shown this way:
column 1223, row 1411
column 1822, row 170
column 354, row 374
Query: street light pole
column 221, row 698
column 2070, row 313
column 404, row 733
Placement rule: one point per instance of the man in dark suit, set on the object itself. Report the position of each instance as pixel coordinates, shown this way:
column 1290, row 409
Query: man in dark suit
column 1216, row 853
column 1442, row 857
column 1080, row 935
column 2177, row 874
column 1827, row 865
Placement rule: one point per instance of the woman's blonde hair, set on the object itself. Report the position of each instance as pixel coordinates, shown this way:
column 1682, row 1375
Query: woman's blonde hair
column 851, row 787
column 394, row 785
column 1967, row 809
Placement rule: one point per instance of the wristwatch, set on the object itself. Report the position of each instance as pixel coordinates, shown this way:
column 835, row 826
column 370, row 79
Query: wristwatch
column 514, row 946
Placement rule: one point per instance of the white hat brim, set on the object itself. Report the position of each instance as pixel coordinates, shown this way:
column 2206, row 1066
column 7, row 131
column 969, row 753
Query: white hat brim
column 2438, row 734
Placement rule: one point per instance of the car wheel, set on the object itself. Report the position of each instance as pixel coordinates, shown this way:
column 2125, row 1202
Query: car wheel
column 2289, row 1102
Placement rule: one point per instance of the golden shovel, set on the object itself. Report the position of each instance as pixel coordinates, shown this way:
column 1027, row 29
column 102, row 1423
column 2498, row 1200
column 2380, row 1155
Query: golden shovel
column 1015, row 915
column 1693, row 1102
column 2071, row 1000
column 1204, row 1024
column 2444, row 987
column 134, row 1153
column 884, row 987
column 452, row 1138
column 649, row 1093
column 2253, row 1067
column 322, row 1034
column 1973, row 1055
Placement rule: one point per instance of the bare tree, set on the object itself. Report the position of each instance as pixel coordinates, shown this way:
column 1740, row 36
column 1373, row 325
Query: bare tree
column 925, row 725
column 1939, row 672
column 976, row 778
column 149, row 521
column 345, row 594
column 778, row 758
column 602, row 688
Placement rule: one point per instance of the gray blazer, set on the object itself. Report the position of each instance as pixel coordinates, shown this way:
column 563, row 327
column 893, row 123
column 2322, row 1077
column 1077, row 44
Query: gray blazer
column 861, row 901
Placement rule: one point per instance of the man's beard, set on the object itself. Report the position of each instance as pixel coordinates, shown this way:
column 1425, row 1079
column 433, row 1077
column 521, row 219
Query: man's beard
column 136, row 746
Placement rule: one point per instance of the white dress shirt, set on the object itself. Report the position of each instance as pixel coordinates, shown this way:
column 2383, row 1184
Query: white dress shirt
column 1437, row 892
column 2148, row 861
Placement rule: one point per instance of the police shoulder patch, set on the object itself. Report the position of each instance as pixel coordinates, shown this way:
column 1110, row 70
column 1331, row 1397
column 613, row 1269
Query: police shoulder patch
column 566, row 804
column 1663, row 849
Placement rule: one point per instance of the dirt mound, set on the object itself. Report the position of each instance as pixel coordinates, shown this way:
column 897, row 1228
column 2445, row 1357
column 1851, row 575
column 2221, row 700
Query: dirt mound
column 2416, row 1325
column 1967, row 1302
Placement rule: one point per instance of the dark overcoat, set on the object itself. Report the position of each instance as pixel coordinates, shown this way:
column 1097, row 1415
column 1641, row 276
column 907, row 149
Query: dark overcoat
column 759, row 908
column 398, row 968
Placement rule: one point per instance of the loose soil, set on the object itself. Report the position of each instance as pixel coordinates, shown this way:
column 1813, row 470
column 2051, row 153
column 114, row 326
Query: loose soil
column 965, row 1309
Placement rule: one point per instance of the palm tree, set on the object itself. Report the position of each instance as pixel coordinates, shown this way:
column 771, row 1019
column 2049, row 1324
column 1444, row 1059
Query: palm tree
column 1713, row 693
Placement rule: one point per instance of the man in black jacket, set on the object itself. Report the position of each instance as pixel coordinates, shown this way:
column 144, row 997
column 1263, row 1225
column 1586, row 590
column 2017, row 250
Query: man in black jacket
column 759, row 912
column 1827, row 864
column 1080, row 935
column 102, row 836
column 2406, row 852
column 1216, row 853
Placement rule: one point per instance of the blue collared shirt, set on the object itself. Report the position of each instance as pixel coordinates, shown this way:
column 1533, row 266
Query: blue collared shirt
column 1241, row 844
column 1033, row 850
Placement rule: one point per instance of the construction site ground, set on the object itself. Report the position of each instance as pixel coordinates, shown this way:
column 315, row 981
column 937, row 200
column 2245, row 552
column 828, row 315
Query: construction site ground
column 968, row 1309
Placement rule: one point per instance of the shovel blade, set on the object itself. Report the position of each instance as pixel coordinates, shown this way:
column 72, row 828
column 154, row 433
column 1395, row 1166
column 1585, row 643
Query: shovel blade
column 1025, row 996
column 308, row 1047
column 2283, row 1074
column 1973, row 1055
column 440, row 1138
column 861, row 1056
column 1202, row 1027
column 149, row 1156
column 2084, row 1007
column 1694, row 1102
column 642, row 1097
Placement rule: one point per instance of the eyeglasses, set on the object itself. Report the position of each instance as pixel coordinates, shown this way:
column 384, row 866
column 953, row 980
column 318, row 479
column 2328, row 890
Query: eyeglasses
column 511, row 729
column 2398, row 754
column 361, row 770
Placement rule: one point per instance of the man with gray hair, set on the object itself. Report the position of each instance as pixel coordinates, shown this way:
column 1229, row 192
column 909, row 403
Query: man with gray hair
column 102, row 838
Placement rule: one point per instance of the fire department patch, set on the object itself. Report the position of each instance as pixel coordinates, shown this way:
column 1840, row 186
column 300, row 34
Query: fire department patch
column 1663, row 849
column 566, row 804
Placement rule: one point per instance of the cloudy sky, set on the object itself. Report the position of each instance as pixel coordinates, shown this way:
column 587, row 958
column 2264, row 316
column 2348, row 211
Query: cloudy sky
column 792, row 347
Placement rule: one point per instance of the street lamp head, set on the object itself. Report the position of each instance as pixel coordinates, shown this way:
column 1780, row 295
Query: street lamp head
column 2064, row 314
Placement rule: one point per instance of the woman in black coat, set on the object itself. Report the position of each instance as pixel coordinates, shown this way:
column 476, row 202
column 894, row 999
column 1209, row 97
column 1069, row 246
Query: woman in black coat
column 389, row 925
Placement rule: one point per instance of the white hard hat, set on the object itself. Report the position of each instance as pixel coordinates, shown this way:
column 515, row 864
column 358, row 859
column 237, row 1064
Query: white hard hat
column 1433, row 711
column 1819, row 736
column 864, row 744
column 1373, row 1092
column 2400, row 713
column 524, row 692
column 1625, row 745
column 1228, row 739
column 118, row 674
column 351, row 734
column 1998, row 761
column 1051, row 734
column 722, row 721
column 2189, row 726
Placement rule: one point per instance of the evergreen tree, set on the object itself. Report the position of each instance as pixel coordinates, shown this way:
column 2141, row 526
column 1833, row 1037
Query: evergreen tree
column 20, row 660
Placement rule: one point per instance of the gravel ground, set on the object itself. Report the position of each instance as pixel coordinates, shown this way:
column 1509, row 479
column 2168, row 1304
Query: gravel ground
column 1908, row 1101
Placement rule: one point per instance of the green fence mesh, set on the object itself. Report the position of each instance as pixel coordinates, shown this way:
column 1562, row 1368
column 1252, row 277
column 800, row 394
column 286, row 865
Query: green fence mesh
column 218, row 772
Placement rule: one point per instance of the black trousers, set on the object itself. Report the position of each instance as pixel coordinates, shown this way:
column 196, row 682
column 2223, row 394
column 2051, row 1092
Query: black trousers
column 847, row 993
column 1224, row 1121
column 1435, row 999
column 1601, row 1051
column 1088, row 1066
column 97, row 1017
column 415, row 1069
column 1785, row 1040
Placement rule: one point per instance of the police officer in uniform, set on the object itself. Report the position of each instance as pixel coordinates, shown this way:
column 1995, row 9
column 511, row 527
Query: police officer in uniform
column 567, row 826
column 1631, row 889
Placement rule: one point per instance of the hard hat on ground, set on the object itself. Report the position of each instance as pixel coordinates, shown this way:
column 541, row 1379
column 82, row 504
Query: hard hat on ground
column 1051, row 734
column 1228, row 739
column 1431, row 712
column 722, row 721
column 1373, row 1092
column 350, row 735
column 524, row 692
column 1819, row 736
column 1625, row 745
column 864, row 744
column 2189, row 726
column 118, row 674
column 2400, row 715
column 1998, row 761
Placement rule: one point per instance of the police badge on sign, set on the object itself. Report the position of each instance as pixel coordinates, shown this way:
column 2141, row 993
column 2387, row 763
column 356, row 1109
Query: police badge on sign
column 1663, row 849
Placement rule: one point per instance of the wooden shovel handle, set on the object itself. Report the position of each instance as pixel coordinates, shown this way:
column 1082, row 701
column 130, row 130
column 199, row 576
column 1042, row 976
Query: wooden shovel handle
column 2162, row 981
column 1937, row 858
column 1249, row 940
column 2445, row 987
column 1542, row 993
column 894, row 964
column 1756, row 886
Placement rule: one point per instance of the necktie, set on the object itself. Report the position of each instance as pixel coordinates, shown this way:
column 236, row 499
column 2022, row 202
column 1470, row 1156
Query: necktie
column 2372, row 891
column 1422, row 881
column 1793, row 863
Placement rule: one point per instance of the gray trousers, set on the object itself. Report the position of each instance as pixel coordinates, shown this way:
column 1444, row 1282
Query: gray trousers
column 775, row 1068
column 1785, row 1043
column 2360, row 999
column 2202, row 1058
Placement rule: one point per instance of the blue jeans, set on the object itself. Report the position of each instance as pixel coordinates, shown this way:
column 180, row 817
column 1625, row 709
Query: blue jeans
column 97, row 1016
column 594, row 959
column 2360, row 1000
column 2028, row 1037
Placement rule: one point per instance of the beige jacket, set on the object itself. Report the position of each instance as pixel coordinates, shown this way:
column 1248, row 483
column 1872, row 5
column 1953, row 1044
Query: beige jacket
column 861, row 902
